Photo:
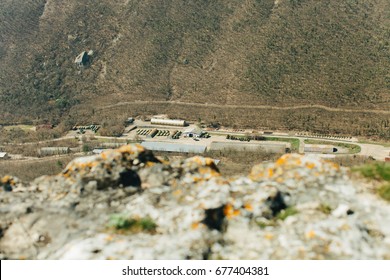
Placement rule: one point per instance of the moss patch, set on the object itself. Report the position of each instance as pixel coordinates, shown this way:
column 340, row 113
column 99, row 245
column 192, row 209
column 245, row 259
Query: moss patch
column 326, row 209
column 289, row 211
column 122, row 224
column 384, row 192
column 380, row 172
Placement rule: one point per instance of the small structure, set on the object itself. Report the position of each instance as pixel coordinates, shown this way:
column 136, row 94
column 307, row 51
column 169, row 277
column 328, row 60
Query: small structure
column 168, row 122
column 194, row 132
column 98, row 151
column 52, row 151
column 129, row 121
column 82, row 59
column 4, row 155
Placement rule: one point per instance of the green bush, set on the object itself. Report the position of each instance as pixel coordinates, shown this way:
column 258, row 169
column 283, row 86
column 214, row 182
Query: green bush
column 379, row 171
column 86, row 148
column 384, row 192
column 122, row 222
column 289, row 211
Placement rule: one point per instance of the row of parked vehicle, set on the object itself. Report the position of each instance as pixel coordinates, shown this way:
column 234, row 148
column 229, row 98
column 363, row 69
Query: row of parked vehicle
column 82, row 129
column 153, row 132
column 143, row 131
column 176, row 134
column 163, row 133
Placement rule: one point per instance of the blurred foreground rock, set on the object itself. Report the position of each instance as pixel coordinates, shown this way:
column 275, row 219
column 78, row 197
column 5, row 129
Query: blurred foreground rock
column 127, row 204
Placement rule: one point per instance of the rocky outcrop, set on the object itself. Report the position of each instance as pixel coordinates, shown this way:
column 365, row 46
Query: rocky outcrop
column 128, row 204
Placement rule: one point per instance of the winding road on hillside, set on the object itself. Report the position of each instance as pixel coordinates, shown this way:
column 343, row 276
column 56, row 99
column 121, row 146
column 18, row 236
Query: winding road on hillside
column 210, row 105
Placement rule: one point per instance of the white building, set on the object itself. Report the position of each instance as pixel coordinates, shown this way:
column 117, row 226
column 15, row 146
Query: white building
column 194, row 132
column 168, row 122
column 4, row 155
column 98, row 151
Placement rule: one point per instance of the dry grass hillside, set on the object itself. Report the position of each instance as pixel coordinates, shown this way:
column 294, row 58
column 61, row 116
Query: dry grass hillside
column 255, row 52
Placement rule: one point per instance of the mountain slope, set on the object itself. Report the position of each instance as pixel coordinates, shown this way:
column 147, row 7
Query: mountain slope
column 263, row 52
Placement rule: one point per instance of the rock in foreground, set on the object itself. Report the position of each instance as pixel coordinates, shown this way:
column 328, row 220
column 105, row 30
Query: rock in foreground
column 127, row 204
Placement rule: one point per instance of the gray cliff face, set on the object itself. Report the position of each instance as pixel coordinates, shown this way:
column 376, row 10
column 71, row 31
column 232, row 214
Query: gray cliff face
column 127, row 204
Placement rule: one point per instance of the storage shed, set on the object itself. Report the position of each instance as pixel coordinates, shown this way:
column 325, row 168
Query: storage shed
column 168, row 122
column 4, row 155
column 194, row 132
column 82, row 58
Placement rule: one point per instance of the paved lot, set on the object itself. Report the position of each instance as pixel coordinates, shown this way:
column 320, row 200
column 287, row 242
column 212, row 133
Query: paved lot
column 376, row 151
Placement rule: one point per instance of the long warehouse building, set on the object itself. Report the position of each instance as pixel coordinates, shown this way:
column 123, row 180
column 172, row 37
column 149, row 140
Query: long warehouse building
column 174, row 147
column 323, row 149
column 168, row 122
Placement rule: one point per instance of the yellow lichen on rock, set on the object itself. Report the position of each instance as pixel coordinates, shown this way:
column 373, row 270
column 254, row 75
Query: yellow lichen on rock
column 268, row 236
column 209, row 172
column 310, row 234
column 7, row 179
column 292, row 166
column 248, row 207
column 230, row 212
column 310, row 165
column 131, row 149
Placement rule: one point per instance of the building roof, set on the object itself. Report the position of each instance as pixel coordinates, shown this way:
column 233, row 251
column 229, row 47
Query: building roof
column 269, row 147
column 98, row 151
column 81, row 58
column 168, row 121
column 174, row 147
column 55, row 149
column 3, row 154
column 193, row 130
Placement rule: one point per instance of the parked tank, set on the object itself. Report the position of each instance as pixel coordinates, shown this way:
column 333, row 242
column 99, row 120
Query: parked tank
column 153, row 133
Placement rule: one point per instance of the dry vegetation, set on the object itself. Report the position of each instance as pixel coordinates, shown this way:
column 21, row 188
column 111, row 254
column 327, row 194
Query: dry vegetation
column 333, row 53
column 28, row 170
column 310, row 119
column 31, row 150
column 231, row 162
column 353, row 161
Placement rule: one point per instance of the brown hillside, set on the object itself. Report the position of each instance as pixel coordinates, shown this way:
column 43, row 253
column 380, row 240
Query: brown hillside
column 255, row 52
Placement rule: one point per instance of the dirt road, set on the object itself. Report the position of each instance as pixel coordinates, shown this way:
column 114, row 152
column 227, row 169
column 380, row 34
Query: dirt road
column 209, row 105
